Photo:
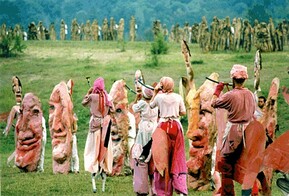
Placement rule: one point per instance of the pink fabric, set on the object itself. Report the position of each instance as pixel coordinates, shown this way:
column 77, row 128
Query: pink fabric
column 147, row 93
column 167, row 84
column 178, row 168
column 239, row 71
column 99, row 87
column 141, row 183
column 238, row 111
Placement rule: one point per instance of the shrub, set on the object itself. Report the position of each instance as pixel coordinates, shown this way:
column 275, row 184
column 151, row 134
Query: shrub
column 10, row 46
column 159, row 45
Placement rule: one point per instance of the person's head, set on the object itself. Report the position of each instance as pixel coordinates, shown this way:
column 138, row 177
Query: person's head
column 147, row 93
column 261, row 101
column 98, row 85
column 239, row 74
column 167, row 84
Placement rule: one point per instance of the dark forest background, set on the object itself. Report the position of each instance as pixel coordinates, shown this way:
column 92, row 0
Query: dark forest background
column 169, row 12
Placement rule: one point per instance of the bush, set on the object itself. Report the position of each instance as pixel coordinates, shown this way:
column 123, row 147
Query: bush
column 159, row 46
column 10, row 46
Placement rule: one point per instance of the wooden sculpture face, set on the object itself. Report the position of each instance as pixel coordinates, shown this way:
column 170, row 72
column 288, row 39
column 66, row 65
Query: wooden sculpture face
column 29, row 134
column 17, row 89
column 60, row 125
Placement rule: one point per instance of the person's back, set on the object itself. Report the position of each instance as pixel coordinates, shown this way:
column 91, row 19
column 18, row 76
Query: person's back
column 93, row 101
column 240, row 104
column 169, row 104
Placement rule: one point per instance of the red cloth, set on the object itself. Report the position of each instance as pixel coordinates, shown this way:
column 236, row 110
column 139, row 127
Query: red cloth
column 248, row 164
column 219, row 89
column 178, row 157
column 277, row 154
column 176, row 167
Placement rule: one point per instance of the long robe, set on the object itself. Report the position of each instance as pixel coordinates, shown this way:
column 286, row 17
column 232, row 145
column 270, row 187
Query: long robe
column 98, row 147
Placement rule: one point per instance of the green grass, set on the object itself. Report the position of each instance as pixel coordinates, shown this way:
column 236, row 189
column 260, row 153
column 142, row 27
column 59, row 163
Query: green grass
column 45, row 63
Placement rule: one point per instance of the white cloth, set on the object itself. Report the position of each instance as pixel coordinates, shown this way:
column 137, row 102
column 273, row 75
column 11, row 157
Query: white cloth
column 74, row 165
column 131, row 131
column 175, row 101
column 91, row 153
column 147, row 125
column 40, row 166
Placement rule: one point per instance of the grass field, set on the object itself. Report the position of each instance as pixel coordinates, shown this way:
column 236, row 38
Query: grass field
column 44, row 64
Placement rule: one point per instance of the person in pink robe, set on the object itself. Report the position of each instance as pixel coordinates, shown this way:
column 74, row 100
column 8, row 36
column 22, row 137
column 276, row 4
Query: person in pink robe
column 98, row 153
column 240, row 104
column 168, row 147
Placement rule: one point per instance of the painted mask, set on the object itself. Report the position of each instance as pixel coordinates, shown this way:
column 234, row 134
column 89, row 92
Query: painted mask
column 60, row 126
column 29, row 134
column 17, row 89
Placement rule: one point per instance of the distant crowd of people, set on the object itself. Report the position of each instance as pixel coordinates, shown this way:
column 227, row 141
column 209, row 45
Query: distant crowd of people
column 221, row 34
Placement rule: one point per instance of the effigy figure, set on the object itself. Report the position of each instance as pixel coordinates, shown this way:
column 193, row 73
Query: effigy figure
column 29, row 134
column 269, row 120
column 14, row 112
column 120, row 30
column 202, row 126
column 277, row 153
column 277, row 158
column 74, row 165
column 120, row 126
column 60, row 126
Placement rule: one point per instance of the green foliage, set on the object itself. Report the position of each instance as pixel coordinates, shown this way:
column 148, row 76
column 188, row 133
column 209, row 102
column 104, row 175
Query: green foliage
column 122, row 46
column 152, row 60
column 258, row 12
column 159, row 45
column 11, row 46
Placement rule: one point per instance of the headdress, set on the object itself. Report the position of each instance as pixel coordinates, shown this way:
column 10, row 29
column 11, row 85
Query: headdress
column 239, row 71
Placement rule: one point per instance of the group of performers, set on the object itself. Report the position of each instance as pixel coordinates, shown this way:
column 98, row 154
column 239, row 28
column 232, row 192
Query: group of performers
column 158, row 155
